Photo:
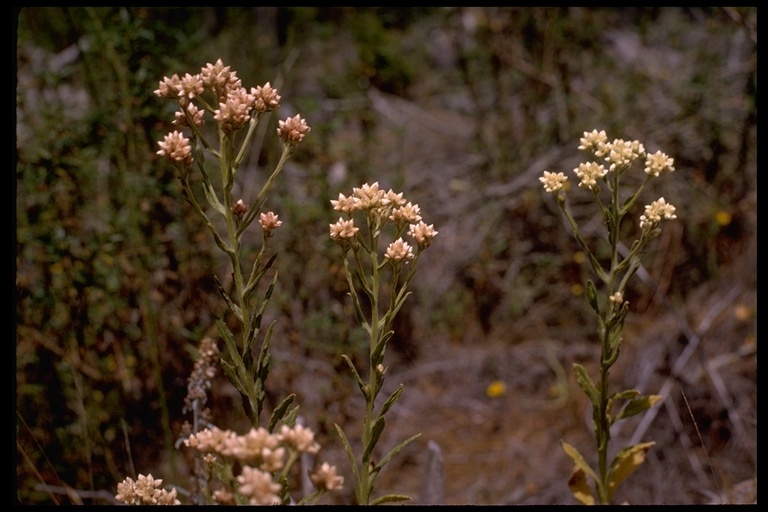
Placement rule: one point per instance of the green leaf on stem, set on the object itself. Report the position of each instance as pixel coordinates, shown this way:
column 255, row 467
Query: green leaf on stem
column 259, row 313
column 360, row 382
column 256, row 279
column 625, row 463
column 229, row 342
column 578, row 459
column 394, row 451
column 231, row 374
column 348, row 449
column 592, row 295
column 391, row 400
column 376, row 430
column 400, row 303
column 638, row 405
column 390, row 498
column 231, row 305
column 627, row 394
column 280, row 411
column 585, row 383
column 377, row 354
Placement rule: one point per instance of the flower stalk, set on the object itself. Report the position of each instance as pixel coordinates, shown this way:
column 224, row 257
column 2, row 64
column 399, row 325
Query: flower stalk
column 366, row 272
column 217, row 91
column 610, row 307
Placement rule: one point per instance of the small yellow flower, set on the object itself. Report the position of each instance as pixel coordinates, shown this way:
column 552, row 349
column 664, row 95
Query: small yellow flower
column 722, row 217
column 742, row 312
column 496, row 389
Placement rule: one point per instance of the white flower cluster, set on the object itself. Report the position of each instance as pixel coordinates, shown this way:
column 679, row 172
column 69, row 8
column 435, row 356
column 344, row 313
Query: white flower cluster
column 233, row 106
column 262, row 455
column 382, row 206
column 145, row 491
column 618, row 155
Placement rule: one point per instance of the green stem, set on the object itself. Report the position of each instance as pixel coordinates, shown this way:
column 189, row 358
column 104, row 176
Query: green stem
column 366, row 466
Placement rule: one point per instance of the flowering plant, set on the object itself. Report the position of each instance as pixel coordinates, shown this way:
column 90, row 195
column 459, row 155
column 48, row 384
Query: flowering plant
column 365, row 268
column 614, row 159
column 252, row 468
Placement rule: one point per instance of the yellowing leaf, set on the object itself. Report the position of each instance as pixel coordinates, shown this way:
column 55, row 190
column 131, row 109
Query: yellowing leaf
column 625, row 463
column 638, row 405
column 580, row 487
column 578, row 458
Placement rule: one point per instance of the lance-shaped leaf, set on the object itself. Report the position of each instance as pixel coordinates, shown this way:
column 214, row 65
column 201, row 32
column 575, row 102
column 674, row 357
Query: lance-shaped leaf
column 580, row 487
column 391, row 400
column 377, row 354
column 255, row 279
column 212, row 198
column 586, row 384
column 592, row 295
column 229, row 342
column 579, row 460
column 360, row 382
column 376, row 430
column 279, row 411
column 625, row 463
column 290, row 418
column 229, row 371
column 637, row 405
column 348, row 449
column 231, row 305
column 394, row 451
column 390, row 498
column 627, row 394
column 399, row 303
column 258, row 314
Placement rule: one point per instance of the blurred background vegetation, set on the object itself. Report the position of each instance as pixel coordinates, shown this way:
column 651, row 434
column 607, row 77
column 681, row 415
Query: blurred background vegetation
column 461, row 109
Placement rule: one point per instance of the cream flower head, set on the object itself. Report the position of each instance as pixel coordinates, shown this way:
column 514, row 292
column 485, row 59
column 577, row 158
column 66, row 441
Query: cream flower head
column 553, row 181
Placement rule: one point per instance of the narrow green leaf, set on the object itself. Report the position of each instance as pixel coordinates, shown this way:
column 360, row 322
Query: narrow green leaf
column 262, row 367
column 376, row 430
column 625, row 463
column 254, row 282
column 232, row 350
column 231, row 374
column 578, row 459
column 391, row 400
column 290, row 418
column 394, row 451
column 377, row 354
column 348, row 449
column 391, row 498
column 265, row 302
column 231, row 305
column 586, row 384
column 360, row 382
column 213, row 200
column 627, row 394
column 400, row 303
column 279, row 411
column 638, row 405
column 592, row 295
